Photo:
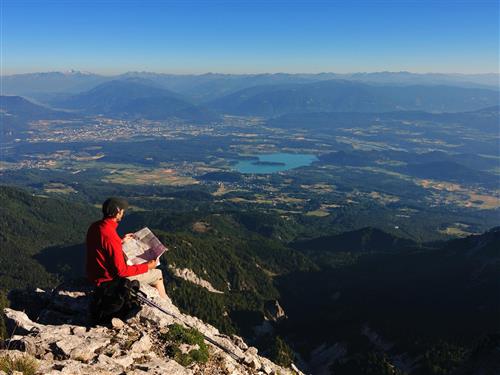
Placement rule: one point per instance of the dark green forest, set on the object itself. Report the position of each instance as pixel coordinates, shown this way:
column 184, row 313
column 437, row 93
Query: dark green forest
column 31, row 224
column 431, row 305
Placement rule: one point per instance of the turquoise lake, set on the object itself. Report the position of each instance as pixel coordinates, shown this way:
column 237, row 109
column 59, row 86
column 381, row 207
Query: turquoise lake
column 289, row 161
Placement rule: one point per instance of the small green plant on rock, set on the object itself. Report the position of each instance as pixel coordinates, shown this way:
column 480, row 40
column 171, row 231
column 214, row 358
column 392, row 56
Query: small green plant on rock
column 281, row 353
column 177, row 336
column 25, row 364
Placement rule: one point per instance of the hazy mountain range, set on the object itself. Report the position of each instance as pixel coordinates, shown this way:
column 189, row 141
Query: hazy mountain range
column 17, row 112
column 349, row 96
column 133, row 98
column 143, row 98
column 212, row 85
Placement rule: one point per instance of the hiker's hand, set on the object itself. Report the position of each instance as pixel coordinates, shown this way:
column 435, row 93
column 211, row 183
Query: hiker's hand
column 128, row 236
column 152, row 264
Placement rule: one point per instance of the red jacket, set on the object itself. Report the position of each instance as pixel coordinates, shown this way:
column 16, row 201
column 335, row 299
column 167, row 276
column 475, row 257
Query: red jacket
column 105, row 260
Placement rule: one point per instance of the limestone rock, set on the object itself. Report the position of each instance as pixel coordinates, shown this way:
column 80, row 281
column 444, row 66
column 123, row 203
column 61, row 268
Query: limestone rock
column 159, row 367
column 189, row 275
column 79, row 331
column 19, row 322
column 252, row 351
column 81, row 349
column 274, row 311
column 22, row 343
column 142, row 345
column 117, row 323
column 124, row 360
column 110, row 363
column 186, row 348
column 240, row 343
column 67, row 344
column 267, row 369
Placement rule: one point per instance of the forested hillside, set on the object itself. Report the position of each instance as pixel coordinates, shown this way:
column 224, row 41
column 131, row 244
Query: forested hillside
column 229, row 250
column 433, row 311
column 366, row 297
column 236, row 252
column 31, row 224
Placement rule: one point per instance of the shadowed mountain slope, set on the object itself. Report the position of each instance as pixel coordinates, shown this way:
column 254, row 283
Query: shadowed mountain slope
column 30, row 224
column 134, row 98
column 358, row 241
column 16, row 113
column 348, row 96
column 425, row 311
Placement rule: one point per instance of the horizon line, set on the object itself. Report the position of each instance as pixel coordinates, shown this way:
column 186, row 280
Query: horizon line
column 75, row 71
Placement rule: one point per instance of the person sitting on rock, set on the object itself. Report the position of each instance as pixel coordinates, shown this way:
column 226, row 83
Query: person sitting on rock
column 105, row 257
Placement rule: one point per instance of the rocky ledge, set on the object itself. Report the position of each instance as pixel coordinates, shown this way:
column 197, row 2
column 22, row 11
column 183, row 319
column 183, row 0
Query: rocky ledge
column 55, row 332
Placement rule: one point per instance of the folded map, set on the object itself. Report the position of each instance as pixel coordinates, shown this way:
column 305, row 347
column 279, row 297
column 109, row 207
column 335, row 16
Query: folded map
column 145, row 246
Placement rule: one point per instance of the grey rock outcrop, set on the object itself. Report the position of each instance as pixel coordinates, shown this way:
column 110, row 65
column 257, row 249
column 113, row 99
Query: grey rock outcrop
column 274, row 311
column 189, row 275
column 63, row 342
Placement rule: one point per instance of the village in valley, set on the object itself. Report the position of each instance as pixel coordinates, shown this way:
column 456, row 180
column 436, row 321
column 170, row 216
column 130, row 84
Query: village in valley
column 211, row 156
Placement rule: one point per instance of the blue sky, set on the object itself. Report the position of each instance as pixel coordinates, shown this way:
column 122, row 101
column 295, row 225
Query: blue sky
column 196, row 36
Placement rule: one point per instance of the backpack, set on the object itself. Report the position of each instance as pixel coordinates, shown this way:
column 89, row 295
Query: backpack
column 115, row 299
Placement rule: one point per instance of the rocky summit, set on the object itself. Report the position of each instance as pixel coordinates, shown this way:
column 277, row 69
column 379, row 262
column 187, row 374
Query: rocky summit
column 54, row 336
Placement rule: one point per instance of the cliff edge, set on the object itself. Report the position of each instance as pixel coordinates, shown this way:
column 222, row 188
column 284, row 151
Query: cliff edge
column 54, row 331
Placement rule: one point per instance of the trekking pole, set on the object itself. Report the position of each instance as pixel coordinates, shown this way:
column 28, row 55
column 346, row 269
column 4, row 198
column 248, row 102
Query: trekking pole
column 142, row 297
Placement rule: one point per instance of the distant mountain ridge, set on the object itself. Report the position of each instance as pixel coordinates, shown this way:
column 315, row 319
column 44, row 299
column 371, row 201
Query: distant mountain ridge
column 349, row 96
column 22, row 108
column 50, row 82
column 134, row 98
column 16, row 113
column 267, row 95
column 209, row 86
